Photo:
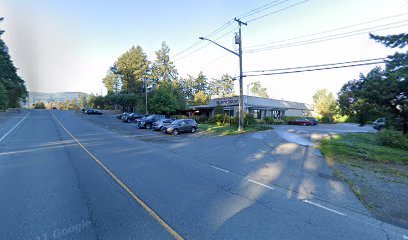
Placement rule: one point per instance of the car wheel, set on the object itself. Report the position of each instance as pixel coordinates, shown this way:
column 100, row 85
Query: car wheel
column 175, row 132
column 304, row 124
column 193, row 130
column 148, row 126
column 161, row 128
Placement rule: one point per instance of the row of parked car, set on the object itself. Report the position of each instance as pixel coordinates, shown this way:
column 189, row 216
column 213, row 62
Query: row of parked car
column 159, row 122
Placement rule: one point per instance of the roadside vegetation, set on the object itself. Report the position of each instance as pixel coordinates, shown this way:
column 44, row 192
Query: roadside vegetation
column 12, row 86
column 386, row 146
column 224, row 130
column 375, row 166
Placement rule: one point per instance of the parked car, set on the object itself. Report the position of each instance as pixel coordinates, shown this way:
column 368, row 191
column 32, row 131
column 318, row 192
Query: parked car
column 379, row 123
column 84, row 110
column 313, row 120
column 93, row 112
column 158, row 125
column 147, row 122
column 301, row 121
column 132, row 117
column 119, row 116
column 181, row 125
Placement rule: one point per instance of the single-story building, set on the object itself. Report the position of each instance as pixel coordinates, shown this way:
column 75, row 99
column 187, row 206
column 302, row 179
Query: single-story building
column 258, row 106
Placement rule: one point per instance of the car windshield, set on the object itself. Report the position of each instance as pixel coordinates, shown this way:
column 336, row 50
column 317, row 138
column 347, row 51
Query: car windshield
column 176, row 122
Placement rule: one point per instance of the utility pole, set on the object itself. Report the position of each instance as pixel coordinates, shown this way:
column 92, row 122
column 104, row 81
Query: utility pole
column 146, row 95
column 238, row 40
column 241, row 87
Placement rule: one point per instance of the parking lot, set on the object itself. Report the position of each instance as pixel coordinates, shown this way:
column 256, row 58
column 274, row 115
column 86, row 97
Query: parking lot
column 109, row 121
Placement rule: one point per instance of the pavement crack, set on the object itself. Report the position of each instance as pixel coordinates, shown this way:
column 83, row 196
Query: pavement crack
column 382, row 229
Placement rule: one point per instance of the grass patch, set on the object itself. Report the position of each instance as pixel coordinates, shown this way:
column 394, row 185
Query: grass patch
column 361, row 146
column 229, row 130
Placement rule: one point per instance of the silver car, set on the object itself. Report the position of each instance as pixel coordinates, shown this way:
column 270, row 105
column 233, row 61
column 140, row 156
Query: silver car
column 158, row 125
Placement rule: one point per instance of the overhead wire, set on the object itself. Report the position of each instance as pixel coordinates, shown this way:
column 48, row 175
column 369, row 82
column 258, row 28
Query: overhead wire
column 280, row 10
column 313, row 69
column 262, row 8
column 330, row 37
column 198, row 49
column 319, row 65
column 330, row 30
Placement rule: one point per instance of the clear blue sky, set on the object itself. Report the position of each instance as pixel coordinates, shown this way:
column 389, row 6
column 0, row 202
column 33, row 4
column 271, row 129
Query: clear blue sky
column 69, row 45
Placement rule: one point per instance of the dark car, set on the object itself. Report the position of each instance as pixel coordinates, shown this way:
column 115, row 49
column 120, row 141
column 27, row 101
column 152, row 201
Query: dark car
column 313, row 120
column 119, row 116
column 379, row 124
column 181, row 125
column 93, row 112
column 132, row 117
column 147, row 122
column 301, row 121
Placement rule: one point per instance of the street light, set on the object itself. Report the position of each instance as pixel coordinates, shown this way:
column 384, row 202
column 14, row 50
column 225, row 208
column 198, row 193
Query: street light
column 239, row 54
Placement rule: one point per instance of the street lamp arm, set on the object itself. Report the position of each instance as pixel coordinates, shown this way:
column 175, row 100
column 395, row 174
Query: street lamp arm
column 235, row 53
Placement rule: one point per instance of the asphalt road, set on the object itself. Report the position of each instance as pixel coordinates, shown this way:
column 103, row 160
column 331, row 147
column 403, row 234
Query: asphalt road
column 62, row 177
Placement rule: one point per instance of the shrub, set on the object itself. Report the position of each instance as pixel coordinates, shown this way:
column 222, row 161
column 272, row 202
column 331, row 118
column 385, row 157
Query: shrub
column 392, row 138
column 218, row 110
column 249, row 119
column 179, row 116
column 201, row 118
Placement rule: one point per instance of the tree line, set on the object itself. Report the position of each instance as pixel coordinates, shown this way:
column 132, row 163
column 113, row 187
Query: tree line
column 12, row 86
column 132, row 76
column 379, row 93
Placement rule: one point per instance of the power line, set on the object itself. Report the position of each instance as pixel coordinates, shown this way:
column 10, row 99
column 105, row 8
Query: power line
column 319, row 65
column 280, row 10
column 330, row 37
column 247, row 14
column 224, row 26
column 198, row 49
column 312, row 70
column 261, row 8
column 330, row 30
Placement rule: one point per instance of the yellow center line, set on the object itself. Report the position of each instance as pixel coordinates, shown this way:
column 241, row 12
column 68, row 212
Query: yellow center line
column 123, row 185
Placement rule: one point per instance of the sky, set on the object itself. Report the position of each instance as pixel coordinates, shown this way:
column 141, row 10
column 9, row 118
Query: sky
column 70, row 45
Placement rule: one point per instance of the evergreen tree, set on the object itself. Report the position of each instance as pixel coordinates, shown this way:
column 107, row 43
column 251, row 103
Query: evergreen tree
column 163, row 69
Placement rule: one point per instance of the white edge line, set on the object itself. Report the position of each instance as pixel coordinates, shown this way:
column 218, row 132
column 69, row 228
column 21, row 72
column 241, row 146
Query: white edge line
column 220, row 169
column 261, row 184
column 405, row 237
column 5, row 135
column 326, row 208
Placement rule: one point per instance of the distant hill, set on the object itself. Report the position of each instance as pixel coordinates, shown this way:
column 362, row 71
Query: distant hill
column 54, row 97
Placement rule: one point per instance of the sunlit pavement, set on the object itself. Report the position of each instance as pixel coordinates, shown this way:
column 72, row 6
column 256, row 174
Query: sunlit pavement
column 251, row 186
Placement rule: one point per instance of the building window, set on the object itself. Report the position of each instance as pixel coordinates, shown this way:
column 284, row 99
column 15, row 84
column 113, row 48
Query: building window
column 257, row 114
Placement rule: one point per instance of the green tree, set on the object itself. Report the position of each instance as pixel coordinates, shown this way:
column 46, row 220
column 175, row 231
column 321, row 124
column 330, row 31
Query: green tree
column 12, row 83
column 163, row 69
column 132, row 68
column 368, row 97
column 200, row 84
column 111, row 82
column 3, row 97
column 396, row 71
column 258, row 90
column 39, row 105
column 200, row 98
column 164, row 100
column 222, row 87
column 325, row 104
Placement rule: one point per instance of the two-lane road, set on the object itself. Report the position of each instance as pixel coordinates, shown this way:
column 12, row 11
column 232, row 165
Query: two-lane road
column 65, row 178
